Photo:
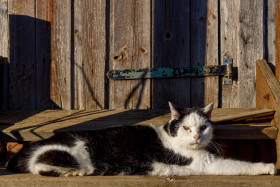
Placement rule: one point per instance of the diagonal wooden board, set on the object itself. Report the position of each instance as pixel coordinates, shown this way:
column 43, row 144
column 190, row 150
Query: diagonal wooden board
column 36, row 125
column 238, row 116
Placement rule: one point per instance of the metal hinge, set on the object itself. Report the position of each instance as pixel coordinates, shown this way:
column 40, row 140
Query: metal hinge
column 188, row 71
column 227, row 79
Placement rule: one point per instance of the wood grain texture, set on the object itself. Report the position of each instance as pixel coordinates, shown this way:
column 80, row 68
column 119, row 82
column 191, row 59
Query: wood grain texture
column 22, row 71
column 4, row 52
column 18, row 126
column 250, row 48
column 244, row 115
column 270, row 26
column 43, row 53
column 267, row 87
column 245, row 132
column 1, row 82
column 198, row 41
column 229, row 41
column 171, row 48
column 89, row 56
column 130, row 48
column 11, row 179
column 277, row 45
column 61, row 54
column 211, row 85
column 268, row 96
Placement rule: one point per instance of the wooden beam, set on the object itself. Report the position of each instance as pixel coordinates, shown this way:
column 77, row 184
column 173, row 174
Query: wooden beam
column 1, row 82
column 11, row 179
column 268, row 96
column 277, row 51
column 267, row 87
column 245, row 132
column 36, row 125
column 243, row 116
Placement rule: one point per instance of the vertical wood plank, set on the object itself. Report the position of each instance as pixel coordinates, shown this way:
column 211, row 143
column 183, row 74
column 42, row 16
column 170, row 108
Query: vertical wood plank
column 22, row 71
column 129, row 48
column 277, row 52
column 229, row 36
column 245, row 150
column 61, row 54
column 90, row 52
column 1, row 83
column 211, row 86
column 198, row 48
column 270, row 17
column 4, row 52
column 171, row 48
column 250, row 48
column 43, row 53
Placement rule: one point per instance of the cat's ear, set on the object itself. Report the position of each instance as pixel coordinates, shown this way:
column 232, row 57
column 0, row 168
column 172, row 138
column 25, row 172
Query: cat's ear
column 175, row 115
column 208, row 109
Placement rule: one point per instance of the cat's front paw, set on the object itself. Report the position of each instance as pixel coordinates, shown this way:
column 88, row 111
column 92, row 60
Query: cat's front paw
column 270, row 169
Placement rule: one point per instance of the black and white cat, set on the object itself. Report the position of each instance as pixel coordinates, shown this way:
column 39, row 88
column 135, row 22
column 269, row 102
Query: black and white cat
column 176, row 148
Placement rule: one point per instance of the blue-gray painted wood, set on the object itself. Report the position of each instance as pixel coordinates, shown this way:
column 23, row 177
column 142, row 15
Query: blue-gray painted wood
column 190, row 71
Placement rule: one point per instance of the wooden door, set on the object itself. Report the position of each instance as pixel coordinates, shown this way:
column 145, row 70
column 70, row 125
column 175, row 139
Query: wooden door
column 58, row 51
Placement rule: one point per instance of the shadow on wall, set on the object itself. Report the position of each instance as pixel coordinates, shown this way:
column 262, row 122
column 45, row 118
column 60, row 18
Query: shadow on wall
column 28, row 80
column 178, row 39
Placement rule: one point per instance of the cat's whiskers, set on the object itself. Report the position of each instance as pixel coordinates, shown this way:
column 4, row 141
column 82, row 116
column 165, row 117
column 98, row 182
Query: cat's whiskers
column 216, row 147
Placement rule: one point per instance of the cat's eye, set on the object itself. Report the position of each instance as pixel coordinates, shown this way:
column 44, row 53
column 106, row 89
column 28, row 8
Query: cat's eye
column 186, row 127
column 202, row 128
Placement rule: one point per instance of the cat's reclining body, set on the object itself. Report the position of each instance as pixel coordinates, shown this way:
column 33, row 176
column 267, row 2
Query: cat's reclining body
column 176, row 148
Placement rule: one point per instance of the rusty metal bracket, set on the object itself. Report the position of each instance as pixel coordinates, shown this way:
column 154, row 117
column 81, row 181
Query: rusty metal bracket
column 188, row 71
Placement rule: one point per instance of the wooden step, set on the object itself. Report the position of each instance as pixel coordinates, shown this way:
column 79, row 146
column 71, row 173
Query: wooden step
column 10, row 179
column 36, row 125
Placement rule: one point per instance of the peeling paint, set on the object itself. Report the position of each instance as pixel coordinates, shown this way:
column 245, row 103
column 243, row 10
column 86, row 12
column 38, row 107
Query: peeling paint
column 197, row 71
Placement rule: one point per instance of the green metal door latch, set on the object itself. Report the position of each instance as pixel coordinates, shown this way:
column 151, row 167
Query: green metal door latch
column 188, row 71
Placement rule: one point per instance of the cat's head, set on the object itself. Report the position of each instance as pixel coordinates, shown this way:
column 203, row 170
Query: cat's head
column 190, row 128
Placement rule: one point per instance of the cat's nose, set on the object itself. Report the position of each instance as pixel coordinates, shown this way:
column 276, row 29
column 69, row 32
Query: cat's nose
column 196, row 137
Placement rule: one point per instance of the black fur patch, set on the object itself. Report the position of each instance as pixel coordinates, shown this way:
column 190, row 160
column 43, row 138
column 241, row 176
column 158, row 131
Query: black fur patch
column 58, row 158
column 49, row 173
column 131, row 150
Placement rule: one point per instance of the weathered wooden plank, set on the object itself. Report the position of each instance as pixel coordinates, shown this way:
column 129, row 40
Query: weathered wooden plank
column 229, row 26
column 244, row 115
column 245, row 150
column 1, row 82
column 245, row 132
column 268, row 96
column 198, row 48
column 25, row 126
column 90, row 52
column 61, row 54
column 171, row 48
column 262, row 147
column 267, row 87
column 277, row 45
column 22, row 71
column 37, row 117
column 11, row 179
column 43, row 53
column 130, row 47
column 4, row 52
column 35, row 133
column 211, row 84
column 250, row 48
column 270, row 40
